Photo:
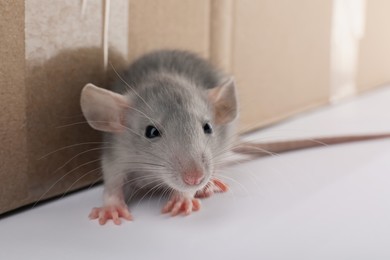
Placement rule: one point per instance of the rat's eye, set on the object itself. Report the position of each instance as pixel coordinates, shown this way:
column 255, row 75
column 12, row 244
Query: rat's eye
column 207, row 128
column 152, row 132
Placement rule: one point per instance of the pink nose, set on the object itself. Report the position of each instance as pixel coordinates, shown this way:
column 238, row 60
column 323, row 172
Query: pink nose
column 193, row 178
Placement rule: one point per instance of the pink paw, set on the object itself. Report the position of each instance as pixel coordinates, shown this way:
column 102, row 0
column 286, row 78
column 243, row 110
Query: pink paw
column 212, row 187
column 181, row 204
column 110, row 212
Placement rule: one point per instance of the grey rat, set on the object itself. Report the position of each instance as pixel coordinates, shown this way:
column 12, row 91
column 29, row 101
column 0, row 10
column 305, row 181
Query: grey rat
column 170, row 122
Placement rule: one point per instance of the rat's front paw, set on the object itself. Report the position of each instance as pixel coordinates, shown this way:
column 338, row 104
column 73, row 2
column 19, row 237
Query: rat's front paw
column 212, row 187
column 114, row 212
column 179, row 203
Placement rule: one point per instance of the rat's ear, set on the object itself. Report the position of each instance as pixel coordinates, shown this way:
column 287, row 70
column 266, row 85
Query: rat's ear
column 103, row 109
column 224, row 100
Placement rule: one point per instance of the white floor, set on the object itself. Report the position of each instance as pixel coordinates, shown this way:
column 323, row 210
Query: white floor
column 326, row 203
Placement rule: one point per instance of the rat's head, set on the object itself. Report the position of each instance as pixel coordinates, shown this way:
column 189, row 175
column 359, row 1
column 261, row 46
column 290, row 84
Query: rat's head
column 176, row 128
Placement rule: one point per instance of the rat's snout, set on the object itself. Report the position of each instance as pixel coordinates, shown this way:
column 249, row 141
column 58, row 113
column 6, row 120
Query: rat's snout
column 193, row 177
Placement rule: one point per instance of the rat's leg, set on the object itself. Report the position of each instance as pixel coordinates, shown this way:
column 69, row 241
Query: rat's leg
column 214, row 185
column 114, row 206
column 181, row 202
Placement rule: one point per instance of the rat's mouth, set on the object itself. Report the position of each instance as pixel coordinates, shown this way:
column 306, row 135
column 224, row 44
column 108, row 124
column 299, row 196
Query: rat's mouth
column 180, row 185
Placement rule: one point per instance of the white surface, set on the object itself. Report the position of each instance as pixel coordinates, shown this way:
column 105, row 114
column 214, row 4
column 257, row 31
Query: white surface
column 326, row 203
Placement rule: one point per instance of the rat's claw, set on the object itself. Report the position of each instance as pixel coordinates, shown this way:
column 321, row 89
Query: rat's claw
column 181, row 204
column 111, row 212
column 212, row 187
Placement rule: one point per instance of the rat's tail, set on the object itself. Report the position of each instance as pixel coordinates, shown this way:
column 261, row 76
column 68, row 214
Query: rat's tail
column 270, row 148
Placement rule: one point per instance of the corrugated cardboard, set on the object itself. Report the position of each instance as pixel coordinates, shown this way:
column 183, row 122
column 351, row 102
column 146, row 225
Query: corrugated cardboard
column 50, row 50
column 13, row 151
column 280, row 58
column 156, row 24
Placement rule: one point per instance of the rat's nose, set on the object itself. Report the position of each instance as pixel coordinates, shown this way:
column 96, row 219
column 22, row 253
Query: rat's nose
column 193, row 178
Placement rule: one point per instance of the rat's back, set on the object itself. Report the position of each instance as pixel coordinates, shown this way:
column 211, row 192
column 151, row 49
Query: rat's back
column 182, row 63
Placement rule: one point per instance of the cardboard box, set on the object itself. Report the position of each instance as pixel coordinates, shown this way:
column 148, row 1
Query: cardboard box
column 156, row 24
column 285, row 56
column 50, row 50
column 373, row 63
column 278, row 51
column 280, row 57
column 13, row 161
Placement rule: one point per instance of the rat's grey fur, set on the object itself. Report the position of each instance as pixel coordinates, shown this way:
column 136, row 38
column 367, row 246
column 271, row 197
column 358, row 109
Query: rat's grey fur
column 178, row 93
column 168, row 90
